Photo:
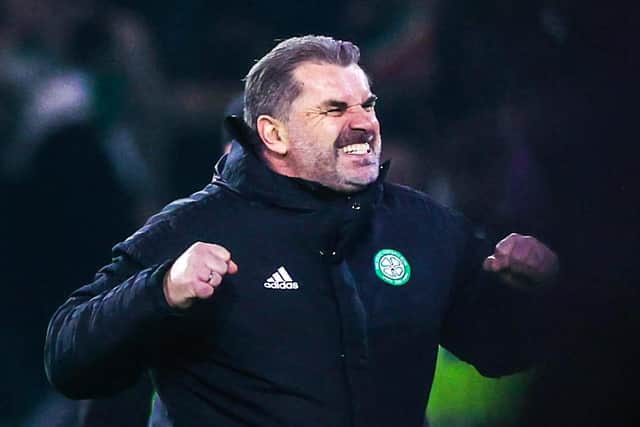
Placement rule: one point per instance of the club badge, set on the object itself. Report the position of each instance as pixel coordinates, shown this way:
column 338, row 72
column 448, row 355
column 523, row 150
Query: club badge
column 392, row 267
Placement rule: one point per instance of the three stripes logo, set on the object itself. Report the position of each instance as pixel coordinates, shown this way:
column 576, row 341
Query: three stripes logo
column 281, row 280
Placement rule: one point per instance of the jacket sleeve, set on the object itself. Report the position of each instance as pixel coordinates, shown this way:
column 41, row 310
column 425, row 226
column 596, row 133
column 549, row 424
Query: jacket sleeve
column 99, row 340
column 495, row 327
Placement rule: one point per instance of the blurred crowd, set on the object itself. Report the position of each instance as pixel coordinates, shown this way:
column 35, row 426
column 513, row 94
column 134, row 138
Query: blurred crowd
column 520, row 114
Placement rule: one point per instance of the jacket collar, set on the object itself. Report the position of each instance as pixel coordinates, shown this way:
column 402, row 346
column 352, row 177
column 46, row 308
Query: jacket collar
column 243, row 172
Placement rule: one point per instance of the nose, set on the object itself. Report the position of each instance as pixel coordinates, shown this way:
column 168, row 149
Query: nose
column 363, row 119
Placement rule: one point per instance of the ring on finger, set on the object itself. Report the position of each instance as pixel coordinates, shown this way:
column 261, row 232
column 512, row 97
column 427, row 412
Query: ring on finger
column 211, row 273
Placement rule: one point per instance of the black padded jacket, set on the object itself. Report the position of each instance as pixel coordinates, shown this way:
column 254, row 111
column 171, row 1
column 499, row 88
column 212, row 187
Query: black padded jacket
column 334, row 318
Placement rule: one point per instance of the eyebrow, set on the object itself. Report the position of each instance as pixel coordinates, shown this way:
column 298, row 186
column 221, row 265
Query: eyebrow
column 334, row 103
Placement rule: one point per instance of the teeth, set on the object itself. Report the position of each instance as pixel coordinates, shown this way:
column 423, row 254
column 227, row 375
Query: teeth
column 356, row 149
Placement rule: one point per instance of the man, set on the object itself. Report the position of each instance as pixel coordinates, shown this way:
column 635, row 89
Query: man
column 299, row 288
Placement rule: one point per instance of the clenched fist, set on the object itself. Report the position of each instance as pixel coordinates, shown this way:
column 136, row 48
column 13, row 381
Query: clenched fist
column 523, row 260
column 197, row 273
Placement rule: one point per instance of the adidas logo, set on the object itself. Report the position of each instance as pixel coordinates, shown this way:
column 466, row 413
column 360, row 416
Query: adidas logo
column 280, row 280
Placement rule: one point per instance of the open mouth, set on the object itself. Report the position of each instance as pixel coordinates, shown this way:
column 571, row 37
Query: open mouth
column 356, row 149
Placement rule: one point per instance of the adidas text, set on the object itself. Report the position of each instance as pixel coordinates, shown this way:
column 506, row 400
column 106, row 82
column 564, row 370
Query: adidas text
column 281, row 285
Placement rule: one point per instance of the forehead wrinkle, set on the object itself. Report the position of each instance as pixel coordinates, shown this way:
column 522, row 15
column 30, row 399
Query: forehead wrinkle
column 324, row 78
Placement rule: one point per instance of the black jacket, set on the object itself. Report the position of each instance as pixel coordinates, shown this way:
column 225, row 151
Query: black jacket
column 342, row 347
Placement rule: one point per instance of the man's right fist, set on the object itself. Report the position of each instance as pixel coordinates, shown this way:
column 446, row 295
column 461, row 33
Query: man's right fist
column 196, row 274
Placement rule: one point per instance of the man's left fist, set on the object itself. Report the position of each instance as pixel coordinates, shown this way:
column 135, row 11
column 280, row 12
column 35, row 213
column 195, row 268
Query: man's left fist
column 520, row 259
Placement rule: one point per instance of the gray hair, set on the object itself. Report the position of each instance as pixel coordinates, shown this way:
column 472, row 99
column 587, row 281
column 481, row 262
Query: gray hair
column 270, row 87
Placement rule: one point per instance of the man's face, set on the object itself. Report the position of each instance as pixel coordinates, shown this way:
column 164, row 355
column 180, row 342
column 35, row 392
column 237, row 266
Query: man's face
column 334, row 135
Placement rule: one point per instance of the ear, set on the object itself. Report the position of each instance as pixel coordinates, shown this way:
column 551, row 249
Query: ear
column 273, row 134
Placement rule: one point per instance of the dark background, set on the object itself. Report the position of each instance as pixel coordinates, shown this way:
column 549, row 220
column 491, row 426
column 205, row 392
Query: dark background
column 524, row 115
